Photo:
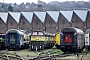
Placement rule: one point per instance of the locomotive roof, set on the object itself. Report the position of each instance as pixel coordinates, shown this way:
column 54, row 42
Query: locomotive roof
column 88, row 31
column 72, row 29
column 15, row 31
column 24, row 31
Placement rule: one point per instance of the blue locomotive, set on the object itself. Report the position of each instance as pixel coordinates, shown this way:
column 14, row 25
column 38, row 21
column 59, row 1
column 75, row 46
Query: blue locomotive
column 16, row 39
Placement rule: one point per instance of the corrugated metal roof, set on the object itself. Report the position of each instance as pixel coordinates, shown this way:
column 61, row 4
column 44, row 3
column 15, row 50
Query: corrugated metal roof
column 15, row 15
column 54, row 15
column 4, row 15
column 67, row 14
column 81, row 13
column 41, row 15
column 28, row 15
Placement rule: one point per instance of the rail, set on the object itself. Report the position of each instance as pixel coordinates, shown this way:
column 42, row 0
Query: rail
column 49, row 55
column 9, row 56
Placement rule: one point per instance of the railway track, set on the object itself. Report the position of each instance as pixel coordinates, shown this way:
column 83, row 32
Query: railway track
column 6, row 55
column 43, row 55
column 49, row 55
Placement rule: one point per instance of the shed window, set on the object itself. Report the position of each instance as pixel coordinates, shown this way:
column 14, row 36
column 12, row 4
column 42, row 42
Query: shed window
column 36, row 22
column 23, row 23
column 77, row 21
column 63, row 21
column 11, row 23
column 50, row 22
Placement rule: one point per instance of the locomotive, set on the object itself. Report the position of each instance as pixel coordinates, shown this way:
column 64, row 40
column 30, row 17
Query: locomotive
column 16, row 39
column 71, row 40
column 57, row 40
column 87, row 40
column 2, row 41
column 41, row 40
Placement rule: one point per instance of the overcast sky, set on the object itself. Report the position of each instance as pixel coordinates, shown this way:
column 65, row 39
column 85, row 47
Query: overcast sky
column 20, row 1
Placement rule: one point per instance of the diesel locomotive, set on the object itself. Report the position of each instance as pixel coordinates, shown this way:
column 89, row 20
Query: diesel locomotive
column 41, row 40
column 70, row 39
column 16, row 39
column 57, row 40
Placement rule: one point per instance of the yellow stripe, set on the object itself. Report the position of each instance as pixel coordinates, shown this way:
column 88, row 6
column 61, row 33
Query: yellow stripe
column 38, row 38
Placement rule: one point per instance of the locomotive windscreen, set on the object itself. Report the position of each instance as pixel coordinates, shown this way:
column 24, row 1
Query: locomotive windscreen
column 37, row 36
column 37, row 33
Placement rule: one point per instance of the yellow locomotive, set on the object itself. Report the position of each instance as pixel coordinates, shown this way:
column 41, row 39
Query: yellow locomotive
column 57, row 40
column 41, row 40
